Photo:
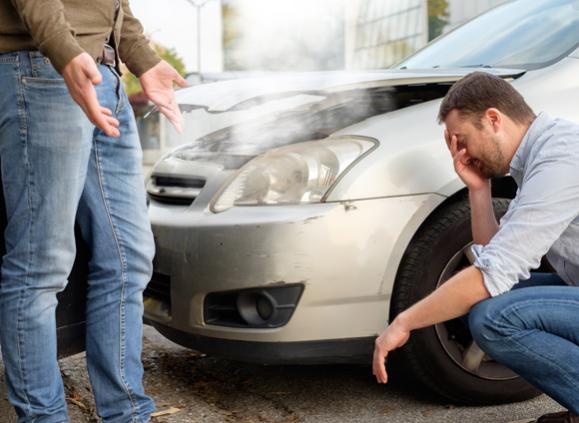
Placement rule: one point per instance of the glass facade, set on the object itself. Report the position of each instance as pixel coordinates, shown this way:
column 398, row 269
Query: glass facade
column 383, row 32
column 380, row 33
column 460, row 11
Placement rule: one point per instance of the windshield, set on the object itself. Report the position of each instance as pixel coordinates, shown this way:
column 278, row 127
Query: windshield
column 525, row 34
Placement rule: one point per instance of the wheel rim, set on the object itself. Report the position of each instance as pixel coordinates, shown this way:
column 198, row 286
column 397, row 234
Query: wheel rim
column 455, row 337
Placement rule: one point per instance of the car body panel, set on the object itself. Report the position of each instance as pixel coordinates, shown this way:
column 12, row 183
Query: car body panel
column 346, row 250
column 420, row 163
column 264, row 246
column 345, row 273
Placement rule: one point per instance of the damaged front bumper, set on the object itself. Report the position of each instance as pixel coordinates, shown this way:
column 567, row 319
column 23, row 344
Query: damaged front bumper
column 337, row 259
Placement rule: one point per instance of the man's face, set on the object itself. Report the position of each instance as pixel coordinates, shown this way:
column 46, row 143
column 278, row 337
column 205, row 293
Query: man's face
column 482, row 142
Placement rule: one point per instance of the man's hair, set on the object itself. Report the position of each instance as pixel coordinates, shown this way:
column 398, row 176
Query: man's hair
column 477, row 92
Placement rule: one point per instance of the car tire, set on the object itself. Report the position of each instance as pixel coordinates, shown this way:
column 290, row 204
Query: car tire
column 433, row 355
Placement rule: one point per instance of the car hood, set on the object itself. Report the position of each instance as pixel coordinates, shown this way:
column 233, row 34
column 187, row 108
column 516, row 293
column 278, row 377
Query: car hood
column 229, row 123
column 238, row 94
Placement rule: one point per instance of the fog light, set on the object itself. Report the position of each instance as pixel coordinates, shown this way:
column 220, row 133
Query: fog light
column 256, row 307
column 266, row 308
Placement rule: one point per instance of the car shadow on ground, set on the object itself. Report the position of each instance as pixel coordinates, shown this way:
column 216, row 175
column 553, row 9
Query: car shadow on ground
column 192, row 387
column 208, row 389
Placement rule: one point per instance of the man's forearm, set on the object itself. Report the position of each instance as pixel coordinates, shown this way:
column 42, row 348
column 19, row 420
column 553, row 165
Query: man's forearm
column 484, row 222
column 453, row 299
column 134, row 47
column 46, row 23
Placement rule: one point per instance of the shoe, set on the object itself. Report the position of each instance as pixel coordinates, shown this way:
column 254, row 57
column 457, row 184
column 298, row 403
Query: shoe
column 561, row 417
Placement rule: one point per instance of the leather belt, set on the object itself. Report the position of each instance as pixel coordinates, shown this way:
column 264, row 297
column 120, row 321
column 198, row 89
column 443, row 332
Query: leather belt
column 108, row 56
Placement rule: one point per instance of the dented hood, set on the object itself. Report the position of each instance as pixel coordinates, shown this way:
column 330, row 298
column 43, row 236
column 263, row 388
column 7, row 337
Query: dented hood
column 237, row 94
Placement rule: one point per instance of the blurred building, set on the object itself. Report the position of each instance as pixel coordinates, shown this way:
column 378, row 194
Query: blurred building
column 335, row 34
column 283, row 35
column 380, row 33
column 460, row 11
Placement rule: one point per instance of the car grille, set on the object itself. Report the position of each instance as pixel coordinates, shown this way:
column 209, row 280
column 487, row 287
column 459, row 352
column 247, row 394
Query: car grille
column 174, row 190
column 159, row 288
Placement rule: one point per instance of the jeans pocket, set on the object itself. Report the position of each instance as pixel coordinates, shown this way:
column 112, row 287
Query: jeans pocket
column 43, row 82
column 45, row 91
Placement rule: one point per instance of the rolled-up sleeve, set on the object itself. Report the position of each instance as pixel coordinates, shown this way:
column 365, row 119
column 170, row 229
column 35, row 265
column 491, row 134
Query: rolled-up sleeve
column 134, row 47
column 546, row 204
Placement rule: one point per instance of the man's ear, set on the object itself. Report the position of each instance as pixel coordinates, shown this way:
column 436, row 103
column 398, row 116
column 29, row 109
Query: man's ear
column 495, row 118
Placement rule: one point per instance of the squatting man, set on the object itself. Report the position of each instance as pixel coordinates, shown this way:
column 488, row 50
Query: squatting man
column 526, row 321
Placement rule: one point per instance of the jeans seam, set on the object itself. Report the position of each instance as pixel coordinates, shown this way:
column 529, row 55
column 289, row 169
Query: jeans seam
column 23, row 129
column 118, row 91
column 514, row 308
column 33, row 66
column 546, row 360
column 122, row 259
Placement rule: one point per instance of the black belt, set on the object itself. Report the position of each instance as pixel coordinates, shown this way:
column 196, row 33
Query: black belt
column 108, row 56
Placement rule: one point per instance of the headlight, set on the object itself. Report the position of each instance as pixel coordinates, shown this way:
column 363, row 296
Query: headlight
column 299, row 173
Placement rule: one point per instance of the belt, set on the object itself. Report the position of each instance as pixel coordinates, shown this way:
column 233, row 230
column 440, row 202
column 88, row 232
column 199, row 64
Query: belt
column 108, row 56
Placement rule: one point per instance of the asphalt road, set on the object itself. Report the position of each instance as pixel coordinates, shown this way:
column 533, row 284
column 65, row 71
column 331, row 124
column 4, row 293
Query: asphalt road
column 209, row 390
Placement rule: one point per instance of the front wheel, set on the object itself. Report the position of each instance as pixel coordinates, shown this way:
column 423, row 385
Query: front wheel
column 444, row 357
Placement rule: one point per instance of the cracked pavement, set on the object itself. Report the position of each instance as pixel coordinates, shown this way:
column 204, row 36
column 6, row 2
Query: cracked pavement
column 211, row 390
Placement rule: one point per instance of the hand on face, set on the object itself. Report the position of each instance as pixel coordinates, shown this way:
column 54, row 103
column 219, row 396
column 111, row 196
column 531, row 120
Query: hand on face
column 464, row 165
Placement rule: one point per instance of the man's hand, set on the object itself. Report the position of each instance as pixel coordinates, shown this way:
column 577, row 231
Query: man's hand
column 464, row 165
column 81, row 74
column 157, row 84
column 395, row 336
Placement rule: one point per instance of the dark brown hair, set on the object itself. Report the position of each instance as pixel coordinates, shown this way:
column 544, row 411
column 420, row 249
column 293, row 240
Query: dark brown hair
column 477, row 92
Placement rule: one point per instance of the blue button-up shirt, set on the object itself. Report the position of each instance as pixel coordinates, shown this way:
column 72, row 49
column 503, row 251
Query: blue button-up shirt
column 543, row 218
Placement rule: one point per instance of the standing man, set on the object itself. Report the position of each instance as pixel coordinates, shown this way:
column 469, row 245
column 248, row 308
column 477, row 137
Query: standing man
column 490, row 130
column 69, row 148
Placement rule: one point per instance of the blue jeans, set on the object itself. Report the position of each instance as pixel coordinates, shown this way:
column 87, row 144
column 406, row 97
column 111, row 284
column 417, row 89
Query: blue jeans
column 56, row 166
column 534, row 330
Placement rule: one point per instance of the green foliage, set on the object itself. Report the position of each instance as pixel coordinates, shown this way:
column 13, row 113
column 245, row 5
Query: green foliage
column 230, row 16
column 132, row 85
column 171, row 57
column 231, row 34
column 437, row 17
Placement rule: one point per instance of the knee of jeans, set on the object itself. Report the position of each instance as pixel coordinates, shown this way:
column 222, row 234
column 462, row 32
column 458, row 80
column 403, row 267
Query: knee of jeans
column 482, row 322
column 56, row 274
column 141, row 262
column 48, row 272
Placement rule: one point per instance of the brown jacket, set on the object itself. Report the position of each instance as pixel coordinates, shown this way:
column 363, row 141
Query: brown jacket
column 62, row 29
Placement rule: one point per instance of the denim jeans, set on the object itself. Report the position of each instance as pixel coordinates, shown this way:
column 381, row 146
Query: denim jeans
column 534, row 330
column 56, row 166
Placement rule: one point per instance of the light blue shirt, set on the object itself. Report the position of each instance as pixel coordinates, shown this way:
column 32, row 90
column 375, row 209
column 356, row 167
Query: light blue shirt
column 543, row 218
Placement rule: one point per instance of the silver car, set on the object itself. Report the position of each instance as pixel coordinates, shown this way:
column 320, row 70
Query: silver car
column 301, row 213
